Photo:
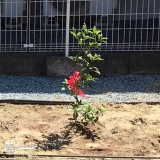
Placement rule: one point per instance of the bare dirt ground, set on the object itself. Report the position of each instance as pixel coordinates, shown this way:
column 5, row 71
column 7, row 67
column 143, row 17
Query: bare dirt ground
column 124, row 130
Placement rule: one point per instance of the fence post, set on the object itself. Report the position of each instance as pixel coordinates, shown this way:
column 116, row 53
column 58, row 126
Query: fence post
column 0, row 24
column 67, row 29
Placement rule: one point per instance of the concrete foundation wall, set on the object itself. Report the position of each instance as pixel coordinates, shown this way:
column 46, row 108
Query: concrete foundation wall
column 115, row 63
column 23, row 64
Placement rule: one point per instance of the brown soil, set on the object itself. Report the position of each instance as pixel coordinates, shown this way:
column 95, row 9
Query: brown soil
column 124, row 130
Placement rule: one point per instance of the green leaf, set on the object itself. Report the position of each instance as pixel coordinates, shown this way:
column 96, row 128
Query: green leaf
column 89, row 55
column 78, row 34
column 102, row 110
column 74, row 32
column 84, row 27
column 80, row 41
column 63, row 89
column 65, row 81
column 95, row 69
column 80, row 58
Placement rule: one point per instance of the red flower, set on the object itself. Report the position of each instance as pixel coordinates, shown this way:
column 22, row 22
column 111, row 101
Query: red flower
column 73, row 82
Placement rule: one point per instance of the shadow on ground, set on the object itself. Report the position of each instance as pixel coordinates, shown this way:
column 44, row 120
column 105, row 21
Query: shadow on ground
column 57, row 141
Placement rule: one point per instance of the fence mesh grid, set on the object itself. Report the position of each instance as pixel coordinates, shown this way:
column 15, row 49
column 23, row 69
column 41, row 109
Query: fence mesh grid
column 13, row 15
column 40, row 25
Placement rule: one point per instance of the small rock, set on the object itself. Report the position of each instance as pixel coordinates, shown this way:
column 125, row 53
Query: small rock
column 49, row 108
column 138, row 99
column 2, row 125
column 27, row 136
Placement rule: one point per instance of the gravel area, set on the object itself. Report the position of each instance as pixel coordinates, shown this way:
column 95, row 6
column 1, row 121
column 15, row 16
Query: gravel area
column 126, row 88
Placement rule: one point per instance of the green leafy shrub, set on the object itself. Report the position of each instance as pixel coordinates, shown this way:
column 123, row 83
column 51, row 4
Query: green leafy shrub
column 88, row 39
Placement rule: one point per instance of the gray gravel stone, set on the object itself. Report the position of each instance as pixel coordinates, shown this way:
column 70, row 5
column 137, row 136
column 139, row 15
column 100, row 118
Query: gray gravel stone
column 126, row 88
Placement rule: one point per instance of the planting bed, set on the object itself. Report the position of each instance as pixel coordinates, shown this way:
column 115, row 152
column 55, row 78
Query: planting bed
column 124, row 130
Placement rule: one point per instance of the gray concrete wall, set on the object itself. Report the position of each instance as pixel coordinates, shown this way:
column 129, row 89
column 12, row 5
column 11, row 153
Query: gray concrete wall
column 23, row 64
column 137, row 9
column 115, row 63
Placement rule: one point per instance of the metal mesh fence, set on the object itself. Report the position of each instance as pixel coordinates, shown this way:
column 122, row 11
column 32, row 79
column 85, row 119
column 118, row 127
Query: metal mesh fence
column 41, row 25
column 13, row 14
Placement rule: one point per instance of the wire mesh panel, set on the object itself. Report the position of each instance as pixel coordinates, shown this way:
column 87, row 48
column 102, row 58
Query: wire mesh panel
column 95, row 13
column 129, row 25
column 47, row 32
column 40, row 25
column 13, row 25
column 138, row 24
column 52, row 31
